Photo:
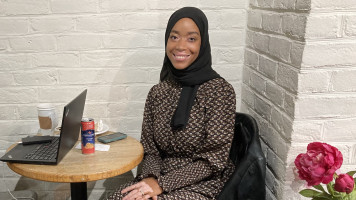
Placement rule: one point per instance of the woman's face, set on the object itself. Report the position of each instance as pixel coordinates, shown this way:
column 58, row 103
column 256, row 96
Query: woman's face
column 183, row 43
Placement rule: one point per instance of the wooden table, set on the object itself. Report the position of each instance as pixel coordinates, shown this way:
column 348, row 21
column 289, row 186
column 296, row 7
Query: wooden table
column 77, row 168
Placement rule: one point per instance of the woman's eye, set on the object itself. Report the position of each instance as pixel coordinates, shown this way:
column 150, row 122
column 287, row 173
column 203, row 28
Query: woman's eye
column 192, row 39
column 173, row 37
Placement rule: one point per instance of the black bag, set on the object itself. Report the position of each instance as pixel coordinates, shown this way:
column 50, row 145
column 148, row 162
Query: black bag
column 248, row 180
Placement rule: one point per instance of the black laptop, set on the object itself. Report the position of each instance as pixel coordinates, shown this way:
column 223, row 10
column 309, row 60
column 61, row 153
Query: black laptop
column 51, row 153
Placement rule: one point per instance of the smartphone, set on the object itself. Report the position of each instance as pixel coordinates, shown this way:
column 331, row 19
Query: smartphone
column 112, row 137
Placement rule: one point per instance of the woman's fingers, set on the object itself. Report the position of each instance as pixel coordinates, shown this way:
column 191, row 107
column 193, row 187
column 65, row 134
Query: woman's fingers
column 154, row 197
column 140, row 190
column 132, row 187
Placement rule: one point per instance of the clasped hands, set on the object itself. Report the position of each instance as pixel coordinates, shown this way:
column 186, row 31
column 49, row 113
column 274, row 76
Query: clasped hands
column 145, row 189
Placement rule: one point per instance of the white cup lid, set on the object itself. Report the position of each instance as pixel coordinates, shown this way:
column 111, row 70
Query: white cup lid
column 45, row 106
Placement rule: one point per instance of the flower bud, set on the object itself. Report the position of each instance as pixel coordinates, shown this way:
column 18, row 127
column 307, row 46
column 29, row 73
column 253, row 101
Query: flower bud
column 344, row 183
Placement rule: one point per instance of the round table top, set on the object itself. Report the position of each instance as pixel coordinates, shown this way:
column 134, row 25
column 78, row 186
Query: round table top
column 77, row 167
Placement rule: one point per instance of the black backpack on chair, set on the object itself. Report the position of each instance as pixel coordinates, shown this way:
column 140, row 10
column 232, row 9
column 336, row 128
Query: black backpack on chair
column 248, row 180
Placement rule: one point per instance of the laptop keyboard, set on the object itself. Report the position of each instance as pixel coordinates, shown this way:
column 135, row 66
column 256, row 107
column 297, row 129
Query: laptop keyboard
column 45, row 151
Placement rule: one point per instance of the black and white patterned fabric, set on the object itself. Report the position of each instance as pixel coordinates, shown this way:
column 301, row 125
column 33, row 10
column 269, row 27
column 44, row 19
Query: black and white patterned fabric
column 192, row 163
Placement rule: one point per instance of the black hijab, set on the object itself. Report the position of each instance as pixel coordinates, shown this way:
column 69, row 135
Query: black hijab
column 194, row 75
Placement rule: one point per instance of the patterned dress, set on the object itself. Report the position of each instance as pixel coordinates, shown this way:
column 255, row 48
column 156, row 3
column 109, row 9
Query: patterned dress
column 192, row 163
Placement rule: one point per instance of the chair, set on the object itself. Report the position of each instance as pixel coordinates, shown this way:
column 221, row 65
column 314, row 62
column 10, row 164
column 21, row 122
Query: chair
column 248, row 180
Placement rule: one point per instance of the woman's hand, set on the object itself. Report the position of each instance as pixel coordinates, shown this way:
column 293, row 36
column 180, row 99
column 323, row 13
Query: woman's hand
column 144, row 189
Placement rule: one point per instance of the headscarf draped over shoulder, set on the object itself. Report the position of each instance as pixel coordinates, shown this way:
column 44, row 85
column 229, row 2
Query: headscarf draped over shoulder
column 194, row 75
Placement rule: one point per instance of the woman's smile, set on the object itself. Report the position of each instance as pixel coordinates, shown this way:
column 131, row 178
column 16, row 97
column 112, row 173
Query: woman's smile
column 183, row 45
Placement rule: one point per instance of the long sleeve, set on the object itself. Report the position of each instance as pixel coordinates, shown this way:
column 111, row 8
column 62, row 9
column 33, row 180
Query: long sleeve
column 211, row 157
column 152, row 159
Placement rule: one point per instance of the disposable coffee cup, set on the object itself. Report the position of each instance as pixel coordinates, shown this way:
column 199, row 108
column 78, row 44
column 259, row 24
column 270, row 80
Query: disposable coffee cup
column 47, row 119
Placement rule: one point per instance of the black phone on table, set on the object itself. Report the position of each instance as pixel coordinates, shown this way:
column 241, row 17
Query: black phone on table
column 112, row 137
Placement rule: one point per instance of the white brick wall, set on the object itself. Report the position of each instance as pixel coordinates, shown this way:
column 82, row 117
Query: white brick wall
column 50, row 50
column 299, row 82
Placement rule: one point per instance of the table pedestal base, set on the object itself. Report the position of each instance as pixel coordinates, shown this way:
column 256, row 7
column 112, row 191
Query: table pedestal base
column 78, row 191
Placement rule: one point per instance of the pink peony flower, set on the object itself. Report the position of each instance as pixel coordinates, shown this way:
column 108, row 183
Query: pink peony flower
column 344, row 183
column 319, row 163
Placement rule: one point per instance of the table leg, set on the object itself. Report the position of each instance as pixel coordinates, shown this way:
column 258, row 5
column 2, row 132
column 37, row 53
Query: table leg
column 78, row 191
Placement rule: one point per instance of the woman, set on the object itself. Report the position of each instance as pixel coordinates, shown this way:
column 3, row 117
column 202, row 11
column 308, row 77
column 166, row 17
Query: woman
column 188, row 120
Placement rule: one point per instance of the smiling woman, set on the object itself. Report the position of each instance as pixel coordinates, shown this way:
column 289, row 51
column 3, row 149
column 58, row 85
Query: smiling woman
column 183, row 44
column 188, row 120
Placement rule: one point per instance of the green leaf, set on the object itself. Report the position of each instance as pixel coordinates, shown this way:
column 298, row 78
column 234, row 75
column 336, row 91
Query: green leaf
column 330, row 188
column 319, row 187
column 309, row 193
column 351, row 173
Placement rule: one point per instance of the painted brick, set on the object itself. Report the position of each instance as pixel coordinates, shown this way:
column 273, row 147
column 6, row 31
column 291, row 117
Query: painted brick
column 79, row 42
column 166, row 5
column 276, row 165
column 265, row 3
column 324, row 106
column 15, row 62
column 6, row 79
column 105, row 94
column 284, row 4
column 280, row 48
column 19, row 7
column 33, row 43
column 137, row 93
column 296, row 54
column 18, row 95
column 313, row 81
column 258, row 41
column 223, row 4
column 103, row 59
column 350, row 25
column 96, row 110
column 121, row 5
column 258, row 83
column 229, row 55
column 294, row 25
column 307, row 131
column 127, row 109
column 56, row 60
column 337, row 53
column 263, row 108
column 226, row 38
column 289, row 104
column 13, row 26
column 230, row 73
column 4, row 45
column 272, row 22
column 52, row 25
column 251, row 58
column 126, row 40
column 254, row 19
column 247, row 95
column 29, row 112
column 340, row 130
column 303, row 5
column 275, row 93
column 58, row 94
column 323, row 26
column 232, row 19
column 330, row 4
column 27, row 78
column 287, row 77
column 68, row 6
column 8, row 112
column 343, row 81
column 139, row 21
column 268, row 67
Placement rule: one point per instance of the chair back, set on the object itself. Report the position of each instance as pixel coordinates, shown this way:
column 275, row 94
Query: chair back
column 248, row 180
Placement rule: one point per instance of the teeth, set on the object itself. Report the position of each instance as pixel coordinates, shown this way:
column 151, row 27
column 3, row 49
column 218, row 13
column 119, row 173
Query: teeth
column 180, row 57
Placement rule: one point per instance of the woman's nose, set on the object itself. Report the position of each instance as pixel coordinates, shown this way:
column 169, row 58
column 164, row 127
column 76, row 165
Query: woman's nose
column 181, row 44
